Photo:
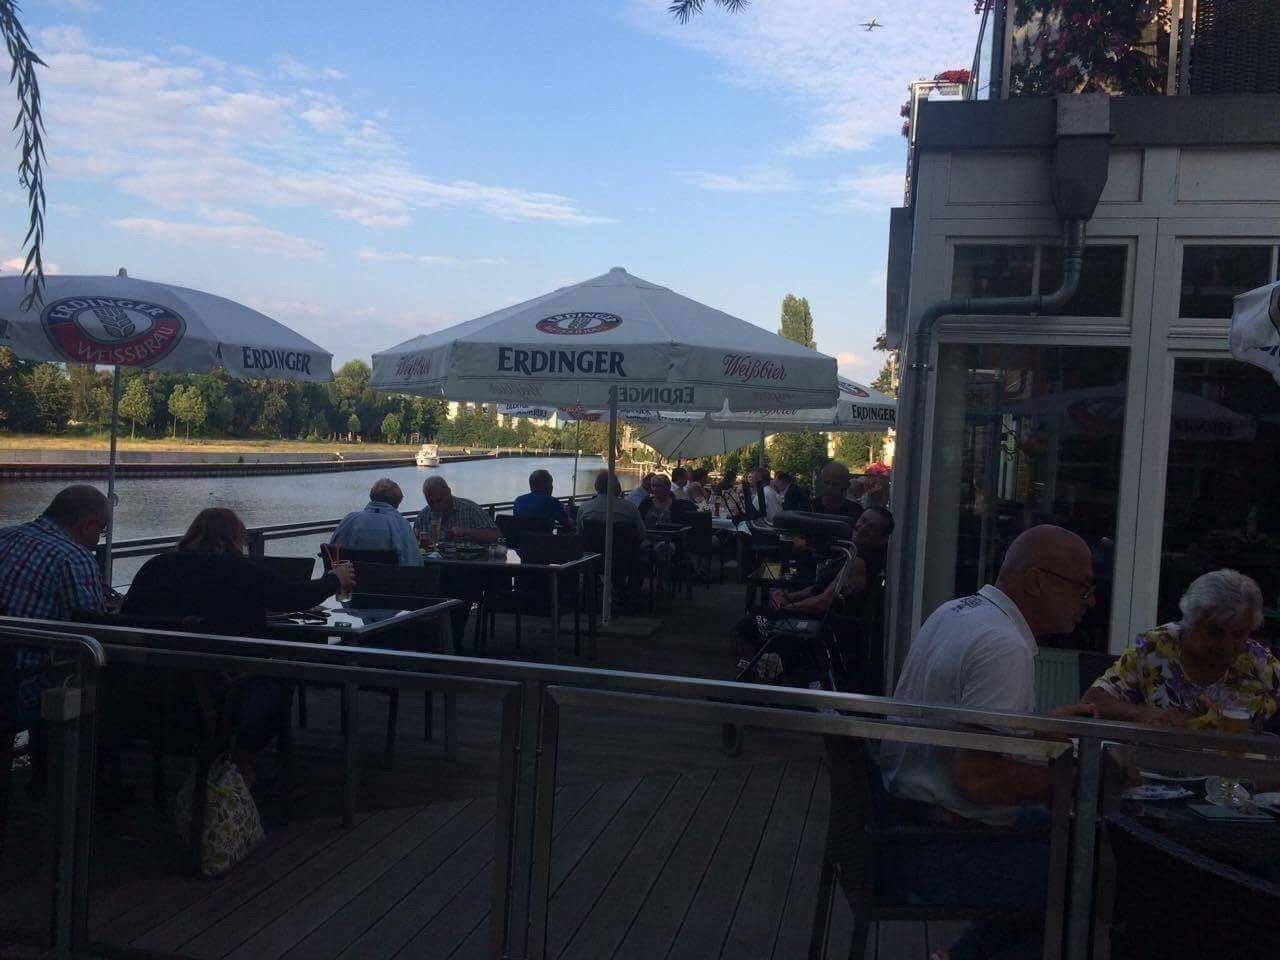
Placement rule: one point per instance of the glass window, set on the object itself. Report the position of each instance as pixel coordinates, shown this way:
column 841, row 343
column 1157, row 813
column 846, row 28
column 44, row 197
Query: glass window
column 1024, row 435
column 1220, row 507
column 1212, row 276
column 1101, row 291
column 993, row 270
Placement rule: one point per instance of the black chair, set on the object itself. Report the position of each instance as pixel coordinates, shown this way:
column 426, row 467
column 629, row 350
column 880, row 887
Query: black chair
column 626, row 556
column 860, row 839
column 513, row 529
column 288, row 569
column 701, row 544
column 1171, row 901
column 362, row 556
column 8, row 732
column 528, row 596
column 391, row 586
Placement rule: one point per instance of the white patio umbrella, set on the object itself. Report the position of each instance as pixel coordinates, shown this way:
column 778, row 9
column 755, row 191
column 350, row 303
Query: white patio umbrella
column 615, row 340
column 1255, row 329
column 121, row 321
column 858, row 409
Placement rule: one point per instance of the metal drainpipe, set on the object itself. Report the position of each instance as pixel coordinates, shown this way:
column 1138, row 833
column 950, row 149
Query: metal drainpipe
column 915, row 384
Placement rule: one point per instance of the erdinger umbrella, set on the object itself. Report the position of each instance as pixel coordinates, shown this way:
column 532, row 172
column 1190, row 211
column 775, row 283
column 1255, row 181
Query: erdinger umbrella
column 615, row 340
column 1255, row 329
column 121, row 321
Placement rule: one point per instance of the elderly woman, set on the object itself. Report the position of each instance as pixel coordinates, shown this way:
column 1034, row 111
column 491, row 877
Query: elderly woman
column 1199, row 670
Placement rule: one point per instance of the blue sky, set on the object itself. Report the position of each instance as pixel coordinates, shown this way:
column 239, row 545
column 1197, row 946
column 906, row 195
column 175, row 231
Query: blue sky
column 366, row 175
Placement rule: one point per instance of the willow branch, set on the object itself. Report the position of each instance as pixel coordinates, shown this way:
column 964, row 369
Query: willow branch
column 684, row 10
column 29, row 128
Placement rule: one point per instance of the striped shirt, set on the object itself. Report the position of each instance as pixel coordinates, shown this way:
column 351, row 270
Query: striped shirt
column 45, row 575
column 464, row 515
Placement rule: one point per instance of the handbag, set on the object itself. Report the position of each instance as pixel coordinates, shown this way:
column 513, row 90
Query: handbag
column 232, row 826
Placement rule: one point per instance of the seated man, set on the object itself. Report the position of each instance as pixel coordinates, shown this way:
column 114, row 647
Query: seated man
column 833, row 489
column 637, row 495
column 679, row 482
column 790, row 496
column 48, row 572
column 539, row 503
column 979, row 652
column 624, row 511
column 456, row 517
column 379, row 526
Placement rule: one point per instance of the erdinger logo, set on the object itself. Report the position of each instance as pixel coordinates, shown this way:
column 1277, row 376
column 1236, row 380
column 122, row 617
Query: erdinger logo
column 578, row 324
column 112, row 330
column 853, row 390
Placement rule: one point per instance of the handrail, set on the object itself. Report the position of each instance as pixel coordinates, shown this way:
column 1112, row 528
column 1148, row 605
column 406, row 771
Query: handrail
column 667, row 685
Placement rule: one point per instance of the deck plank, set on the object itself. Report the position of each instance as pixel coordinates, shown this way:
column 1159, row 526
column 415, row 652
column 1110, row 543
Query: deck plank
column 710, row 914
column 795, row 928
column 656, row 925
column 465, row 922
column 388, row 893
column 224, row 936
column 574, row 897
column 764, row 899
column 617, row 905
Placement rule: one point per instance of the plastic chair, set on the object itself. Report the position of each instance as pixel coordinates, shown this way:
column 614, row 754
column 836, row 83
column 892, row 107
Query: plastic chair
column 528, row 594
column 626, row 555
column 513, row 529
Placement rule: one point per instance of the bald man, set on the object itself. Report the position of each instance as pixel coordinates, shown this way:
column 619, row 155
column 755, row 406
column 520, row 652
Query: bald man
column 979, row 652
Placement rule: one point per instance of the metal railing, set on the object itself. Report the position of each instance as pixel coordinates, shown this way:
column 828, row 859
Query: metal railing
column 533, row 695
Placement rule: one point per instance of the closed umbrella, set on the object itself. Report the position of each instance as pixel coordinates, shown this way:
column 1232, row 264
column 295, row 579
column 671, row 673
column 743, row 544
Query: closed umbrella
column 614, row 340
column 122, row 321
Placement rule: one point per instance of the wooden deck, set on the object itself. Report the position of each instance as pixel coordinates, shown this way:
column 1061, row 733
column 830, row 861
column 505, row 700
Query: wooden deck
column 664, row 846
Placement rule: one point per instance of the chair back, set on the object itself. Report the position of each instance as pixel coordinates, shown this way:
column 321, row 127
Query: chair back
column 550, row 548
column 514, row 529
column 389, row 557
column 391, row 579
column 857, row 797
column 626, row 543
column 699, row 540
column 289, row 569
column 141, row 621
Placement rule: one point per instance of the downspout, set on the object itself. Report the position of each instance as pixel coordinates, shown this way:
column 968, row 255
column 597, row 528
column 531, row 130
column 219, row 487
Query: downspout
column 1081, row 158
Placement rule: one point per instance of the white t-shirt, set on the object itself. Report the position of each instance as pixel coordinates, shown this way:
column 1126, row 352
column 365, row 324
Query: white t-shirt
column 772, row 502
column 975, row 652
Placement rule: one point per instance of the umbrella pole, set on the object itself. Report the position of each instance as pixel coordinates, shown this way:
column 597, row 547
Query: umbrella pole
column 606, row 609
column 577, row 447
column 111, row 473
column 760, row 462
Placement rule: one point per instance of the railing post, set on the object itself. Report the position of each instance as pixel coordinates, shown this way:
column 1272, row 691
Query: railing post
column 72, row 763
column 257, row 544
column 1084, row 846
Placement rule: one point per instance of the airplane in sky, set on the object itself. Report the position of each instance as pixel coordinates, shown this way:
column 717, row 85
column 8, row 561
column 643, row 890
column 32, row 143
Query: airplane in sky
column 871, row 24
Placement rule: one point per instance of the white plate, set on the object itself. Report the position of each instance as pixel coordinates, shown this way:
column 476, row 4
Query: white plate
column 1157, row 791
column 1171, row 778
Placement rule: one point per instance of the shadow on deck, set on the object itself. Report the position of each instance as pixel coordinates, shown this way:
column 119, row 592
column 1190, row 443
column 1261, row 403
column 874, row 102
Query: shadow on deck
column 664, row 846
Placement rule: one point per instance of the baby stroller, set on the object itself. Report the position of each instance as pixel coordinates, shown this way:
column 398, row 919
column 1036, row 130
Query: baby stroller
column 795, row 645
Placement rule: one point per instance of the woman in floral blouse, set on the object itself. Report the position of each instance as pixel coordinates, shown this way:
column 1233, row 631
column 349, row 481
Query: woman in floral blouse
column 1193, row 672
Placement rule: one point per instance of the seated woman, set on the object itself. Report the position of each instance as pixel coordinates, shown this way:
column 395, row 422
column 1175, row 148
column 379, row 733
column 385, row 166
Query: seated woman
column 1189, row 673
column 660, row 506
column 211, row 577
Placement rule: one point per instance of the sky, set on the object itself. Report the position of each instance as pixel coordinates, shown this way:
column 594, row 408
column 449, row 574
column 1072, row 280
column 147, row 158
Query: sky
column 368, row 173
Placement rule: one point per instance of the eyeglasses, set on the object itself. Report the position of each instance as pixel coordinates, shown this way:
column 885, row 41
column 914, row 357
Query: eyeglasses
column 1086, row 587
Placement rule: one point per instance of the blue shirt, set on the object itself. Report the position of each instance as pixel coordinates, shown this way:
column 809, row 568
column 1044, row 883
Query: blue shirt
column 379, row 526
column 542, row 506
column 45, row 575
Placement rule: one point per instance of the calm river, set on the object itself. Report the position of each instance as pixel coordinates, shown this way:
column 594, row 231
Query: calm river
column 151, row 508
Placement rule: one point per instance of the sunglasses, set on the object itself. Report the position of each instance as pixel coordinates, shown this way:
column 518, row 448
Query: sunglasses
column 1087, row 588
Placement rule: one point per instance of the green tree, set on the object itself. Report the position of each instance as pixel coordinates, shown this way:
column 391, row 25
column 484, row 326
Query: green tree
column 884, row 381
column 188, row 407
column 353, row 424
column 391, row 428
column 51, row 396
column 17, row 409
column 799, row 454
column 135, row 404
column 853, row 450
column 87, row 393
column 797, row 321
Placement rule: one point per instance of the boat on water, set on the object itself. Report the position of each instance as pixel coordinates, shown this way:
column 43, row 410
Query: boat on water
column 428, row 455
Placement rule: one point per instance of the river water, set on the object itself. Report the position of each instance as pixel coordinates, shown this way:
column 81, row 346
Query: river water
column 160, row 507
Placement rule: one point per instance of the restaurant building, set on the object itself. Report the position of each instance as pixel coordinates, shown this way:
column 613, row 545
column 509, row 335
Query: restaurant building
column 1122, row 416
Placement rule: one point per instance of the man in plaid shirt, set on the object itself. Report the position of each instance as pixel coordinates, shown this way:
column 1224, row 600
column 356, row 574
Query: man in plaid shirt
column 48, row 571
column 465, row 520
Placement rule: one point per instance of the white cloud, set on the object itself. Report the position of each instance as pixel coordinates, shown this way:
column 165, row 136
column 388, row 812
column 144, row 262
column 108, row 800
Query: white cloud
column 370, row 255
column 752, row 180
column 213, row 141
column 15, row 265
column 245, row 236
column 871, row 188
column 293, row 69
column 812, row 53
column 847, row 359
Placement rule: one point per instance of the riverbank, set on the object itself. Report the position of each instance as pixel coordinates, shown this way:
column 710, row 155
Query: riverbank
column 94, row 445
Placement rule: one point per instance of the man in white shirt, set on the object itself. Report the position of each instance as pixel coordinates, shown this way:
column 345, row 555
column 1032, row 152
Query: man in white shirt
column 637, row 494
column 979, row 652
column 680, row 483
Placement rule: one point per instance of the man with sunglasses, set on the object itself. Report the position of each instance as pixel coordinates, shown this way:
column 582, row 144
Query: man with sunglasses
column 979, row 652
